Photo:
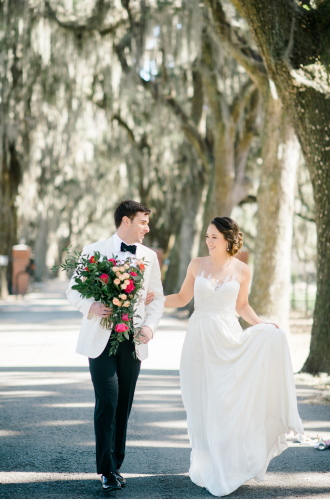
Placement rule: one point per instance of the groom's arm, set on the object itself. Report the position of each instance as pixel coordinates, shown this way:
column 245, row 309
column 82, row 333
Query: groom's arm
column 154, row 310
column 83, row 305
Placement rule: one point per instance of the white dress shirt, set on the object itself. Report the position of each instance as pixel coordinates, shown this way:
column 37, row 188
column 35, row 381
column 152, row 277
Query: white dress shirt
column 117, row 241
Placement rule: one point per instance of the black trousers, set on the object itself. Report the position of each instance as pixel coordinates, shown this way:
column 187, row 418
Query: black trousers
column 114, row 379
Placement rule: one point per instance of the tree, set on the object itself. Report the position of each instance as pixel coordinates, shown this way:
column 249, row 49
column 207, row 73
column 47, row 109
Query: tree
column 15, row 99
column 270, row 292
column 294, row 41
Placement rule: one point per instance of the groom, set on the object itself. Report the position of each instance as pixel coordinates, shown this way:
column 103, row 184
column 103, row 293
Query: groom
column 114, row 377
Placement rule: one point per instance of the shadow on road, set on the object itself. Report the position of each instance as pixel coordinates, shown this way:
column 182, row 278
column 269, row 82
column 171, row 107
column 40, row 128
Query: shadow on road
column 47, row 441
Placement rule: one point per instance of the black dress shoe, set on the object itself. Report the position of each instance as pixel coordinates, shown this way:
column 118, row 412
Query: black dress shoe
column 110, row 482
column 120, row 478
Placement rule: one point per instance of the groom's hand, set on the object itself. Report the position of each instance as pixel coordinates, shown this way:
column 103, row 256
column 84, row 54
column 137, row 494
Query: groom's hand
column 100, row 310
column 146, row 334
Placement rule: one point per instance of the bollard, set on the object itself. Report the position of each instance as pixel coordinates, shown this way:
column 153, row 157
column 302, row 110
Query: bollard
column 3, row 276
column 21, row 261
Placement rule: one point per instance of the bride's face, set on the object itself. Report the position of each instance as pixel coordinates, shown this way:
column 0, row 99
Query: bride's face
column 215, row 240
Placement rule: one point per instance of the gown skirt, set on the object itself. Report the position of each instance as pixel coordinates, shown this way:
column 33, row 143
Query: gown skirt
column 239, row 393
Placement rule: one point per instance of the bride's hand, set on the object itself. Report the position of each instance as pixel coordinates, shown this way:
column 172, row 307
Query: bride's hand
column 149, row 298
column 272, row 324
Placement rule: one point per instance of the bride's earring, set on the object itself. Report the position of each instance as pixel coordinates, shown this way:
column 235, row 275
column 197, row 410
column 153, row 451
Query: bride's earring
column 228, row 247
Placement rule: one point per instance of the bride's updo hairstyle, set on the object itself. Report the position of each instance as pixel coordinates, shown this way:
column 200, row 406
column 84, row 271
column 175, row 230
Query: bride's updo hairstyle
column 230, row 229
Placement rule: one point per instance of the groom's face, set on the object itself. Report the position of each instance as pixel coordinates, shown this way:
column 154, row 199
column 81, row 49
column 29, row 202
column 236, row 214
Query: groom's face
column 139, row 227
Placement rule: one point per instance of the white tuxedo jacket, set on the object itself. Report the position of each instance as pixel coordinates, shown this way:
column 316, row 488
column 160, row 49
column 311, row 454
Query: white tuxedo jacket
column 92, row 337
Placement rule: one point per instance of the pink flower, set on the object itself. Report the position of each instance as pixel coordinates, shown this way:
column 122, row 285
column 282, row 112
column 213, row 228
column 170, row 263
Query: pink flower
column 130, row 287
column 117, row 281
column 115, row 301
column 113, row 261
column 121, row 328
column 124, row 317
column 133, row 273
column 104, row 278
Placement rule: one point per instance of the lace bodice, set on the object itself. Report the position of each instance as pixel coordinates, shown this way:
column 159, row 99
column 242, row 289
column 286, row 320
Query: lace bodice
column 216, row 290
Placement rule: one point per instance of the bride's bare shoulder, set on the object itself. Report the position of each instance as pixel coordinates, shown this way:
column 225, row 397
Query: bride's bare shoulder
column 244, row 268
column 194, row 265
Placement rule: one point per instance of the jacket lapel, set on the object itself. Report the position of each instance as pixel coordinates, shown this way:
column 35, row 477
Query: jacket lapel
column 139, row 252
column 109, row 247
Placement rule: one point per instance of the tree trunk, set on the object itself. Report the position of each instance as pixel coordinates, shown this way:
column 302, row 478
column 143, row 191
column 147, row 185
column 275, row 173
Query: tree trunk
column 191, row 199
column 40, row 249
column 208, row 215
column 10, row 176
column 270, row 292
column 14, row 117
column 173, row 267
column 295, row 45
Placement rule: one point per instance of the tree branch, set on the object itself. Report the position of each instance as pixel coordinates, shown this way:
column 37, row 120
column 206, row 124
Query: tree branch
column 209, row 77
column 92, row 23
column 237, row 46
column 123, row 124
column 241, row 100
column 188, row 127
column 305, row 218
column 248, row 199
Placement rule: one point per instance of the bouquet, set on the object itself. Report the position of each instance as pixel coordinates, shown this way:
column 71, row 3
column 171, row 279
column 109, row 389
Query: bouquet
column 114, row 283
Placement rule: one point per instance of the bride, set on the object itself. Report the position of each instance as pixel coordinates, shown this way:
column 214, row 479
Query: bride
column 237, row 386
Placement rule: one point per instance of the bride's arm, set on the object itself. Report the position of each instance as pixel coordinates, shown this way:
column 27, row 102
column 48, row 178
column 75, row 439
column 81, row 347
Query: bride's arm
column 186, row 293
column 242, row 305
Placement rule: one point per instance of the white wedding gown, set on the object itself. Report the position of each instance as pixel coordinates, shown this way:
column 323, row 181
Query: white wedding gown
column 237, row 387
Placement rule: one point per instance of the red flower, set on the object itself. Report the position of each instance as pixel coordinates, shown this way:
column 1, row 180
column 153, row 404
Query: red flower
column 86, row 269
column 133, row 273
column 113, row 261
column 130, row 287
column 104, row 278
column 125, row 317
column 121, row 328
column 142, row 266
column 92, row 260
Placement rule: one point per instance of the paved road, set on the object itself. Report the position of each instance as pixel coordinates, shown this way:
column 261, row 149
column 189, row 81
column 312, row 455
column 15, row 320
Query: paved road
column 46, row 416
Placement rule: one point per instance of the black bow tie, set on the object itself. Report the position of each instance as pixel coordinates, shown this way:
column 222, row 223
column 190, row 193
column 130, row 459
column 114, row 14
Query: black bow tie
column 128, row 248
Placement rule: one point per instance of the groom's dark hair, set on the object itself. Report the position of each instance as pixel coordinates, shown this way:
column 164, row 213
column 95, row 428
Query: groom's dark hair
column 129, row 208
